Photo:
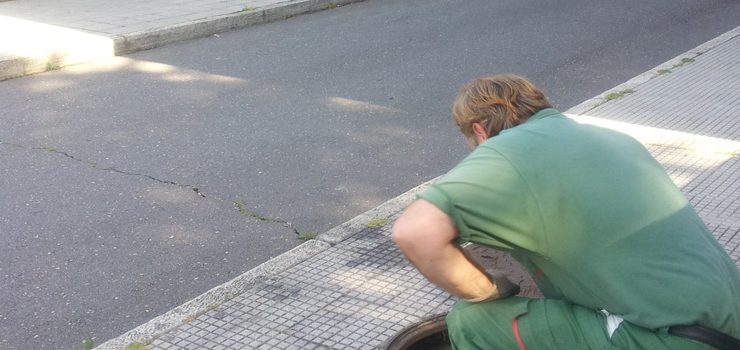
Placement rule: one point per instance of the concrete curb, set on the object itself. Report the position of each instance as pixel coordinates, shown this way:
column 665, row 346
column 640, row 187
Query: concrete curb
column 43, row 47
column 672, row 64
column 222, row 293
column 65, row 51
column 139, row 41
column 15, row 67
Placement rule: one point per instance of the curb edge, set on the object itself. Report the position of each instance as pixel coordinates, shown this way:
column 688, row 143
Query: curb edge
column 157, row 37
column 635, row 82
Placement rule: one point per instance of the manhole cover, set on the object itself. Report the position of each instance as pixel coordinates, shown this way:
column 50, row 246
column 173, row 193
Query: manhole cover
column 429, row 334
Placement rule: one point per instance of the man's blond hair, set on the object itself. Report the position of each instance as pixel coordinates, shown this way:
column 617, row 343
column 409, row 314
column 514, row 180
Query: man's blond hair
column 497, row 102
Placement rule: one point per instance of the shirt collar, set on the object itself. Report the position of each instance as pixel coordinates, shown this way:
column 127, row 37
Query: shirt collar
column 544, row 113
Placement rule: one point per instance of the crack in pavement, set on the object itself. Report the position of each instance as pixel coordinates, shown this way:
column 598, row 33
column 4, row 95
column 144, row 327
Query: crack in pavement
column 119, row 171
column 111, row 169
column 241, row 207
column 238, row 204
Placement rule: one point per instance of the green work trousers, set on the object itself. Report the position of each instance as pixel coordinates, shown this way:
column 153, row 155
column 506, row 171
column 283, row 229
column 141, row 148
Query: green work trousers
column 522, row 323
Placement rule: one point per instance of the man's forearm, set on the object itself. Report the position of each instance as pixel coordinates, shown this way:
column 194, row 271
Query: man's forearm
column 451, row 270
column 425, row 235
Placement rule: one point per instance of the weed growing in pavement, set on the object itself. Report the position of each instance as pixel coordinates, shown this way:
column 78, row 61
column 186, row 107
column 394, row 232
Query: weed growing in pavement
column 331, row 6
column 618, row 95
column 189, row 318
column 684, row 61
column 88, row 344
column 248, row 9
column 307, row 236
column 52, row 66
column 137, row 346
column 377, row 222
column 248, row 213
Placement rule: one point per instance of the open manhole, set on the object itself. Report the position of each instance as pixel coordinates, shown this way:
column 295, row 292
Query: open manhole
column 429, row 334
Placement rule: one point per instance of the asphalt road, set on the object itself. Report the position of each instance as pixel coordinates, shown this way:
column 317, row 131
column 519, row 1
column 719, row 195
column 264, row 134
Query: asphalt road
column 119, row 179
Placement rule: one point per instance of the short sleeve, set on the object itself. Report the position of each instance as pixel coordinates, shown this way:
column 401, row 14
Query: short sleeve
column 489, row 203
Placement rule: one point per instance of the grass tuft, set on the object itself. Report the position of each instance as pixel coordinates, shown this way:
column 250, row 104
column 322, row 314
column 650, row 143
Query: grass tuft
column 618, row 95
column 248, row 213
column 52, row 66
column 137, row 346
column 377, row 222
column 684, row 61
column 88, row 344
column 307, row 236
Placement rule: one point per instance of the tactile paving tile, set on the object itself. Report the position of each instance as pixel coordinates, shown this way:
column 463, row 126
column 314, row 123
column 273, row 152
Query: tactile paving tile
column 706, row 104
column 684, row 165
column 729, row 238
column 716, row 193
column 712, row 185
column 253, row 319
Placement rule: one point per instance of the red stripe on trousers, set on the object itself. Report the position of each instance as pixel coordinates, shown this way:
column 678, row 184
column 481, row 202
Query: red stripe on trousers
column 515, row 328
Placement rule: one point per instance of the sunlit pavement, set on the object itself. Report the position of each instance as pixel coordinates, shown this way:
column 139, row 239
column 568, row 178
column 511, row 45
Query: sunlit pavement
column 43, row 35
column 350, row 288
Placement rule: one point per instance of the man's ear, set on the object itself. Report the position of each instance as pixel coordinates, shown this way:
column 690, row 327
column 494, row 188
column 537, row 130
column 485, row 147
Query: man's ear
column 479, row 133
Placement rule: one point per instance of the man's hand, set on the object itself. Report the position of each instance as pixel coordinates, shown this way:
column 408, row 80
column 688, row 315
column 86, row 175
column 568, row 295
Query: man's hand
column 425, row 234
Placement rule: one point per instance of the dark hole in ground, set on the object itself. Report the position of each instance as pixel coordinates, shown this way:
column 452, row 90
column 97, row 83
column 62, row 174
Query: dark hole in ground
column 429, row 334
column 436, row 341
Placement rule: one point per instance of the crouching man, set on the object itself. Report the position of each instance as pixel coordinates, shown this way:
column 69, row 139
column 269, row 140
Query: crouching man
column 622, row 259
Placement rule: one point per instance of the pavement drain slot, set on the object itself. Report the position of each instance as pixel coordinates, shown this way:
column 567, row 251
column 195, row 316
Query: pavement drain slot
column 429, row 334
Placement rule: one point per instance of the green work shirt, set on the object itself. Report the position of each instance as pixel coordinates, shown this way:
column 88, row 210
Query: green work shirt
column 596, row 220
